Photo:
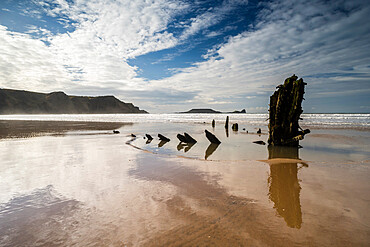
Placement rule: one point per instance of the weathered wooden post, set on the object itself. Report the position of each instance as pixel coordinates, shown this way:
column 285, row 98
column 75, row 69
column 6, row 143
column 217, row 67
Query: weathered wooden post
column 285, row 111
column 163, row 138
column 211, row 137
column 186, row 138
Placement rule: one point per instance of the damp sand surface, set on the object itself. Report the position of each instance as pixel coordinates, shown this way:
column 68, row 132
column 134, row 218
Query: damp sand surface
column 77, row 183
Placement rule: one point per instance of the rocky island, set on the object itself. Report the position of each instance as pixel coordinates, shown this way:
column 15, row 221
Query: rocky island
column 201, row 110
column 207, row 110
column 26, row 102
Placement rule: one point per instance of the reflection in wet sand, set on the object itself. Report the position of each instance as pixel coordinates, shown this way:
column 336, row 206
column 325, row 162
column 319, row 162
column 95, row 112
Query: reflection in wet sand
column 284, row 188
column 24, row 129
column 161, row 143
column 86, row 190
column 206, row 213
column 26, row 219
column 210, row 150
column 180, row 146
column 187, row 146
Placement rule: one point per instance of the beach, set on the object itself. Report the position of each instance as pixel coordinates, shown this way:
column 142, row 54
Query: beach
column 69, row 180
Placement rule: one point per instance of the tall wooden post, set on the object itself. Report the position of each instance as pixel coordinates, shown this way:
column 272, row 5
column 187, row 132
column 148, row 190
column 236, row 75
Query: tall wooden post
column 284, row 113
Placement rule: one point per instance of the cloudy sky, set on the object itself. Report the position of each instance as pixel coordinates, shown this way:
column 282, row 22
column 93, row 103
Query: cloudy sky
column 174, row 55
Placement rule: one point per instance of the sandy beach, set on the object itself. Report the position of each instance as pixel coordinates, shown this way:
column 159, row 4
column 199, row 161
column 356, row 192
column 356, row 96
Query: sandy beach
column 77, row 183
column 184, row 123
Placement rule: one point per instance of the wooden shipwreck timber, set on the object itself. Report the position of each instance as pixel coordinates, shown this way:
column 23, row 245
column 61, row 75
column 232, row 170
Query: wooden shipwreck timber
column 284, row 113
column 284, row 130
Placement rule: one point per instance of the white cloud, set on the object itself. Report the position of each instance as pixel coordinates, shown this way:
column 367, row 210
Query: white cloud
column 303, row 37
column 94, row 54
column 201, row 22
column 42, row 33
column 27, row 63
column 210, row 18
column 106, row 34
column 131, row 28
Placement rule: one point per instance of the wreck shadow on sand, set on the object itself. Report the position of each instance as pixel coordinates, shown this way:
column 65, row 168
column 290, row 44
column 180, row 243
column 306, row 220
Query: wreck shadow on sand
column 284, row 187
column 210, row 150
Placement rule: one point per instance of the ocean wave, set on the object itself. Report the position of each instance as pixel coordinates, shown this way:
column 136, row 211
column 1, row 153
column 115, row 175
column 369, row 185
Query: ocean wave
column 316, row 120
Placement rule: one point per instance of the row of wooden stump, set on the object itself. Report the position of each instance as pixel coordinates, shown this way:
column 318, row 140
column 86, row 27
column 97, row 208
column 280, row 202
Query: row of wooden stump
column 186, row 138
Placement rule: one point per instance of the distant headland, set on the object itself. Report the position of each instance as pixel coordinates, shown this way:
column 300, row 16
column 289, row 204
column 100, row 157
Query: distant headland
column 205, row 110
column 26, row 102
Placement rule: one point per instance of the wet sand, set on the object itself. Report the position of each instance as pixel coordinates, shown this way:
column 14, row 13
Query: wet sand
column 28, row 128
column 87, row 187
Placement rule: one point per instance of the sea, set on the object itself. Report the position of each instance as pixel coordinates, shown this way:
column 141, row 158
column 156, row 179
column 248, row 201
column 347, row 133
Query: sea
column 324, row 120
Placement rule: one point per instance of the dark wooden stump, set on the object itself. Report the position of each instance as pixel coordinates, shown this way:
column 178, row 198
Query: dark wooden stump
column 181, row 138
column 285, row 111
column 189, row 139
column 163, row 138
column 186, row 138
column 212, row 138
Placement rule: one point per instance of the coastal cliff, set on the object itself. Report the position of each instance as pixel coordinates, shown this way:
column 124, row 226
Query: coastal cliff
column 26, row 102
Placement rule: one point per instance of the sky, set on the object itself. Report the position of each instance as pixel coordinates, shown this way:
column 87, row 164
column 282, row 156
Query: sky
column 174, row 55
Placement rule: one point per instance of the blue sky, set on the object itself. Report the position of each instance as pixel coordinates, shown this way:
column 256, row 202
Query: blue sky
column 169, row 56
